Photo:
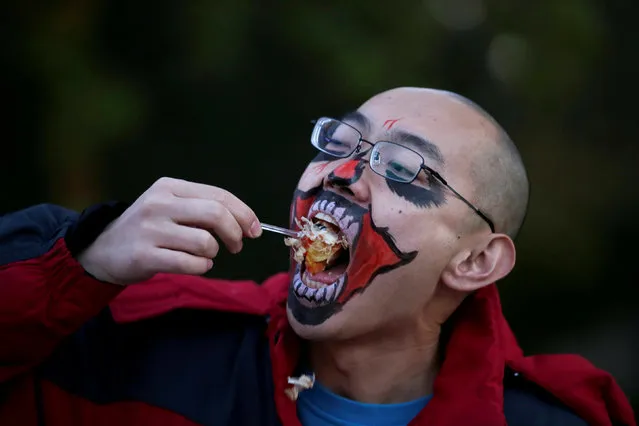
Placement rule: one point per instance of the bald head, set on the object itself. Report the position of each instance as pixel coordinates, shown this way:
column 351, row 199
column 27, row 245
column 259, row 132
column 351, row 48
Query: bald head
column 500, row 178
column 478, row 152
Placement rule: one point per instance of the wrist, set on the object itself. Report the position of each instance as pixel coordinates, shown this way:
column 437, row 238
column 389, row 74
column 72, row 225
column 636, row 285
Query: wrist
column 90, row 224
column 94, row 269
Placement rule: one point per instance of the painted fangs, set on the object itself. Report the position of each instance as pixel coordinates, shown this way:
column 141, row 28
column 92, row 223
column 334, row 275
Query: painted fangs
column 326, row 218
column 344, row 218
column 314, row 297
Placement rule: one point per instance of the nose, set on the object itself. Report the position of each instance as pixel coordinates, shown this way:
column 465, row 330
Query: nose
column 346, row 179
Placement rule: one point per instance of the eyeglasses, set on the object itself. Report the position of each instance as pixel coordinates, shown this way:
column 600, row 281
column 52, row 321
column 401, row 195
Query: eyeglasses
column 388, row 159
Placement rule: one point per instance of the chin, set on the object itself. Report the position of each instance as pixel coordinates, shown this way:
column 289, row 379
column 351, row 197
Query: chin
column 327, row 330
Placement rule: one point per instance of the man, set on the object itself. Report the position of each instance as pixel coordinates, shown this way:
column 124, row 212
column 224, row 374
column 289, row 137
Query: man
column 104, row 319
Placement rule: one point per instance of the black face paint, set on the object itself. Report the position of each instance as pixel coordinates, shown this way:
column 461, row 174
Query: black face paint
column 347, row 174
column 373, row 252
column 417, row 195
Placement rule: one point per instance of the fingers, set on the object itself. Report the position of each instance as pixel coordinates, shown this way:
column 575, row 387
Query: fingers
column 198, row 242
column 211, row 216
column 243, row 214
column 178, row 262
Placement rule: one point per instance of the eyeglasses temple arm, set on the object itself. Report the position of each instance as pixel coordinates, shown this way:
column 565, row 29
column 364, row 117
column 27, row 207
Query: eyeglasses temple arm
column 468, row 203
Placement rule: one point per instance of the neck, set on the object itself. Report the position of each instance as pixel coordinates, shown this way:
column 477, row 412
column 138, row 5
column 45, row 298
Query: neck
column 390, row 367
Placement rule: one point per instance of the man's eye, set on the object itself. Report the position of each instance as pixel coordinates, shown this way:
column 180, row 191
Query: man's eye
column 334, row 142
column 398, row 168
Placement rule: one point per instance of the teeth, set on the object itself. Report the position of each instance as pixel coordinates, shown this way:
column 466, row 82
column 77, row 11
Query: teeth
column 343, row 222
column 340, row 285
column 339, row 213
column 320, row 295
column 326, row 218
column 314, row 207
column 313, row 284
column 330, row 291
column 329, row 207
column 322, row 205
column 351, row 231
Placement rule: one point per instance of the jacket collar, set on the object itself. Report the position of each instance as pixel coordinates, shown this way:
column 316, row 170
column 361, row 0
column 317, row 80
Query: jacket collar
column 469, row 387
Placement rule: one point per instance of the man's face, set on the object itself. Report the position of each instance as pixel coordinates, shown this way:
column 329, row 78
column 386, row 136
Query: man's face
column 401, row 236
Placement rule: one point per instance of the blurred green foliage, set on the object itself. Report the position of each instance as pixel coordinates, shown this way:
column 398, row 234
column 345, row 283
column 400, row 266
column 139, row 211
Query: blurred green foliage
column 105, row 97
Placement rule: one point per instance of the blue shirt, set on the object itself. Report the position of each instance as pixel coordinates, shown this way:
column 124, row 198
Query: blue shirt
column 319, row 406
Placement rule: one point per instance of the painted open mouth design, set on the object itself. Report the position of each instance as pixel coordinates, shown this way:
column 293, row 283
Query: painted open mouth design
column 319, row 279
column 316, row 295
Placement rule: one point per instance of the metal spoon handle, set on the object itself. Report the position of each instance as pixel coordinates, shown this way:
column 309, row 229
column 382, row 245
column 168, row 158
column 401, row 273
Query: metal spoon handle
column 278, row 230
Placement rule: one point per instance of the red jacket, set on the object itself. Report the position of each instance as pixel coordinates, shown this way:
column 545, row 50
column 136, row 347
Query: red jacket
column 76, row 351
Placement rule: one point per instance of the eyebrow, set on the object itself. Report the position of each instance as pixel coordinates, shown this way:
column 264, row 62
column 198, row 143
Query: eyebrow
column 422, row 145
column 358, row 118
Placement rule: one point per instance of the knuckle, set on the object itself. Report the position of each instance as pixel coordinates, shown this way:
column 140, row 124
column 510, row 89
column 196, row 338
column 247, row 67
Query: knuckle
column 183, row 264
column 152, row 204
column 139, row 258
column 248, row 216
column 213, row 248
column 236, row 233
column 197, row 266
column 222, row 194
column 146, row 228
column 216, row 212
column 203, row 242
column 163, row 183
column 227, row 199
column 206, row 245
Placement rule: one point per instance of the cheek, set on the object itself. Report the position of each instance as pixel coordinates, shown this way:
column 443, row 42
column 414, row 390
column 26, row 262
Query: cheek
column 403, row 221
column 413, row 228
column 313, row 175
column 396, row 297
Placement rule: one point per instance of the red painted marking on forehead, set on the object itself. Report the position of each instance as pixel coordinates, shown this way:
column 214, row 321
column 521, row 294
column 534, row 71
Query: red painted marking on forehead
column 388, row 124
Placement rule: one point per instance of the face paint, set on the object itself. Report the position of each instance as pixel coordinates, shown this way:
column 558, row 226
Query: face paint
column 418, row 195
column 372, row 249
column 388, row 124
column 372, row 252
column 347, row 173
column 319, row 168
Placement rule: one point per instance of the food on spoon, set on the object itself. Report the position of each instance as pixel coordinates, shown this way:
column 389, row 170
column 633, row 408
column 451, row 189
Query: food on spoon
column 319, row 244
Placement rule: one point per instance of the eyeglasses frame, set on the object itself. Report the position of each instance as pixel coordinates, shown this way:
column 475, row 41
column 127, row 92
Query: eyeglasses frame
column 423, row 167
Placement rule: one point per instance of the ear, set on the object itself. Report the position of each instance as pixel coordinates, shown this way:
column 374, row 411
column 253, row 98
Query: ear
column 489, row 261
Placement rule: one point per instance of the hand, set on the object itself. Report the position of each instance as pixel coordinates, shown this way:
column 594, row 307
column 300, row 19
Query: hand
column 170, row 228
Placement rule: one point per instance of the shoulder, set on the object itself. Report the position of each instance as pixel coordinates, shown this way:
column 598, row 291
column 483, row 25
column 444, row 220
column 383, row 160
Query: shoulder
column 526, row 404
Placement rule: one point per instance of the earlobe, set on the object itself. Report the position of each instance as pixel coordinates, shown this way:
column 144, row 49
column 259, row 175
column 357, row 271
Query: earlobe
column 471, row 270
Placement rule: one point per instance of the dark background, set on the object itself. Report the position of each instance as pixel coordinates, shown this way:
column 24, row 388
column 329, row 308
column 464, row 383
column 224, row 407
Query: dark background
column 104, row 97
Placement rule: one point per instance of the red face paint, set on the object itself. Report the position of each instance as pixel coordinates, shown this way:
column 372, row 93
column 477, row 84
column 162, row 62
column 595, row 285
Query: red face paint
column 372, row 249
column 319, row 168
column 388, row 124
column 372, row 252
column 347, row 173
